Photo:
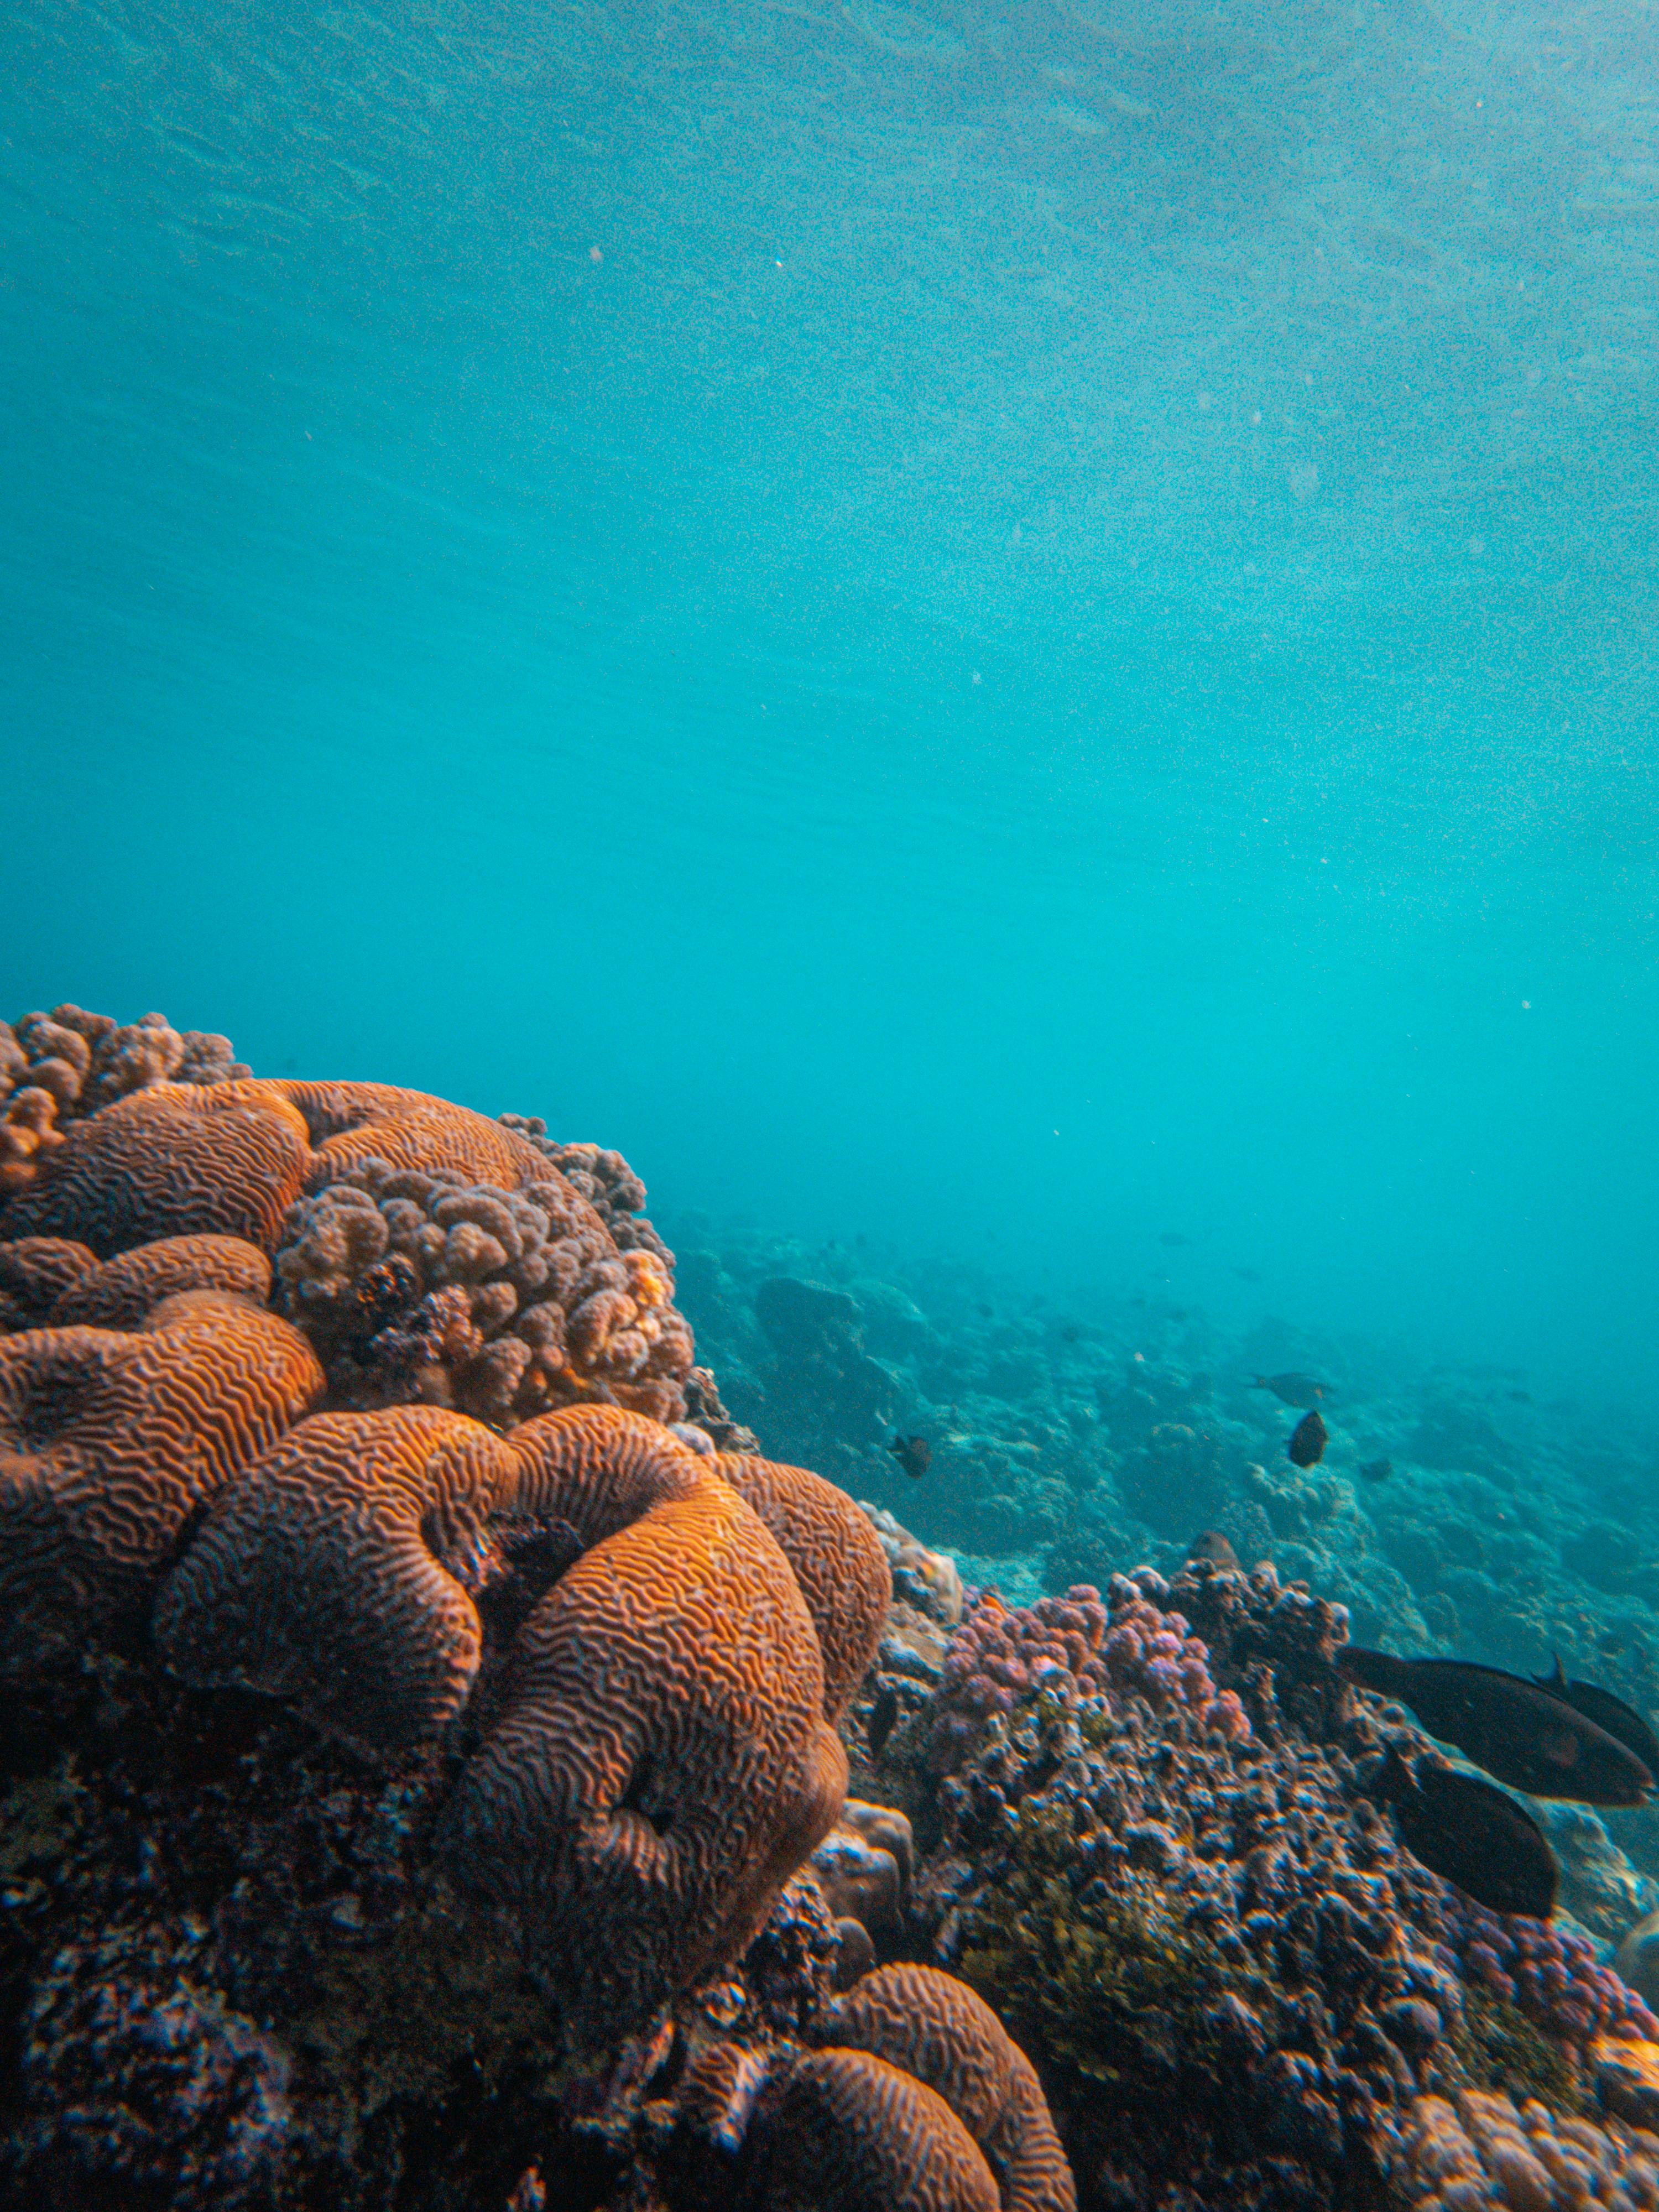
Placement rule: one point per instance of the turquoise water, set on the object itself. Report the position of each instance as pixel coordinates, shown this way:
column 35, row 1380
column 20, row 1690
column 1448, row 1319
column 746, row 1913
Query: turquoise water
column 1015, row 630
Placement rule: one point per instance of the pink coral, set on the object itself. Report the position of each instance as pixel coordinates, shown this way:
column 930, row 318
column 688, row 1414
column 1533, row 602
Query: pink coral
column 1077, row 1647
column 1552, row 1973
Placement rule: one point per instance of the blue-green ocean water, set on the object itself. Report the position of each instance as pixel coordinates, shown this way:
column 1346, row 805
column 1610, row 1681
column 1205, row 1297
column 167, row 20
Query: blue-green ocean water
column 1012, row 627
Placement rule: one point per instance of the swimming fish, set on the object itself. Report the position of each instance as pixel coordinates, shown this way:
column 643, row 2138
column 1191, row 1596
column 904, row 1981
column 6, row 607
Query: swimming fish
column 1172, row 1237
column 1213, row 1547
column 1308, row 1441
column 1375, row 1470
column 1292, row 1389
column 1607, row 1712
column 1246, row 1274
column 1471, row 1834
column 1524, row 1736
column 913, row 1454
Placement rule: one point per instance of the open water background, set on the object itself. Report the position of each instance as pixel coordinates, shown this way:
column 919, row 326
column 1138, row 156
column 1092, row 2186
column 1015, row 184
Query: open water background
column 1014, row 628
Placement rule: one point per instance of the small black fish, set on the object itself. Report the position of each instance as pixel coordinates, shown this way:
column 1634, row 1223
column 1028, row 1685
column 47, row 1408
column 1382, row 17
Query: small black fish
column 1070, row 1334
column 1246, row 1274
column 1172, row 1237
column 1308, row 1441
column 1521, row 1397
column 1213, row 1547
column 1471, row 1834
column 913, row 1454
column 1524, row 1735
column 1607, row 1712
column 1290, row 1389
column 1375, row 1470
column 983, row 1311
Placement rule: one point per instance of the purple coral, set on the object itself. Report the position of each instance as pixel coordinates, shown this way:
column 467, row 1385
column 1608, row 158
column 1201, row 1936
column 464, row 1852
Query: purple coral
column 1552, row 1973
column 1077, row 1647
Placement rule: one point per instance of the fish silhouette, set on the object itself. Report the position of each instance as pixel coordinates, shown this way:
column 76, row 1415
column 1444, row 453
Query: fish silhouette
column 1308, row 1441
column 1213, row 1547
column 1471, row 1834
column 1607, row 1712
column 1290, row 1389
column 913, row 1454
column 1375, row 1470
column 1246, row 1274
column 1172, row 1237
column 1524, row 1735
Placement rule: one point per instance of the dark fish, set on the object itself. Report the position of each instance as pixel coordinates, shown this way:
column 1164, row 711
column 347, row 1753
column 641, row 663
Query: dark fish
column 1070, row 1334
column 913, row 1454
column 1524, row 1735
column 1609, row 1713
column 1521, row 1397
column 1471, row 1834
column 1375, row 1470
column 1292, row 1389
column 1246, row 1274
column 1308, row 1441
column 1213, row 1547
column 1172, row 1237
column 983, row 1311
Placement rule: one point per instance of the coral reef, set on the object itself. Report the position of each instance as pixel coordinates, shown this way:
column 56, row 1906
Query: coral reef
column 430, row 1715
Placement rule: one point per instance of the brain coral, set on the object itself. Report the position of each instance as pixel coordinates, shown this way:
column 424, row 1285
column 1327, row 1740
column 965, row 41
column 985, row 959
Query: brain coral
column 663, row 1764
column 937, row 2029
column 838, row 1560
column 338, row 1572
column 55, row 1067
column 109, row 1440
column 170, row 1160
column 35, row 1272
column 852, row 2134
column 119, row 1292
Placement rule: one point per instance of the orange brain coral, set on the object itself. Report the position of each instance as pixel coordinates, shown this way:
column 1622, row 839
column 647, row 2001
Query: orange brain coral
column 35, row 1272
column 338, row 1572
column 853, row 2134
column 352, row 1122
column 942, row 2031
column 838, row 1560
column 664, row 1764
column 171, row 1160
column 119, row 1294
column 110, row 1440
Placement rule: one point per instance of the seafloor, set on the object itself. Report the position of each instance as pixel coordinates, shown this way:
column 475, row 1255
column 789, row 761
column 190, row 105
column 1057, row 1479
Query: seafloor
column 456, row 1757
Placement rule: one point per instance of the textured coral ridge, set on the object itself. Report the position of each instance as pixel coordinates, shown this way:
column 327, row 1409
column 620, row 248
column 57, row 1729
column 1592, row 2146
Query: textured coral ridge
column 668, row 1801
column 431, row 1254
column 661, row 1760
column 1240, row 1986
column 110, row 1440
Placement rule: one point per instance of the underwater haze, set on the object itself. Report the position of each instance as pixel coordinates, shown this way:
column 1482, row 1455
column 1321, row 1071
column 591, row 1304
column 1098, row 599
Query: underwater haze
column 1015, row 630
